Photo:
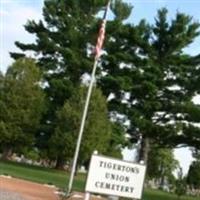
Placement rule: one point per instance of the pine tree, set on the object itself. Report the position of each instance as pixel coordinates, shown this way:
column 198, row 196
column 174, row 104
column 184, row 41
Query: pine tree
column 64, row 43
column 61, row 49
column 97, row 133
column 151, row 80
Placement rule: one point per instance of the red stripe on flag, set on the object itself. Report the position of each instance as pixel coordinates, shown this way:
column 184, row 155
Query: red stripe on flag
column 100, row 39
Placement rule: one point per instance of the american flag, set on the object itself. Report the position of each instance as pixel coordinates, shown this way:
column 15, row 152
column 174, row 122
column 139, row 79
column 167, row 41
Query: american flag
column 101, row 36
column 100, row 39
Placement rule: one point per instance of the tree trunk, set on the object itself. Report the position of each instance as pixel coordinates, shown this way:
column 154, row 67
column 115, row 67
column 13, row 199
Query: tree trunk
column 60, row 163
column 162, row 182
column 7, row 153
column 144, row 150
column 162, row 178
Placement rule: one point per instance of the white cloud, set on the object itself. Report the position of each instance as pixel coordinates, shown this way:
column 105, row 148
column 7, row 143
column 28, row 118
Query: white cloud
column 14, row 15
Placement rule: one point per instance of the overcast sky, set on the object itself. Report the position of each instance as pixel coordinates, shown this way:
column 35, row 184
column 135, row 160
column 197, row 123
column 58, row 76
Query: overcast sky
column 14, row 14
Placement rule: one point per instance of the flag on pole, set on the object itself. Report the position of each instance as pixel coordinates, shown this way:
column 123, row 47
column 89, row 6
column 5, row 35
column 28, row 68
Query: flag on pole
column 100, row 39
column 97, row 49
column 101, row 35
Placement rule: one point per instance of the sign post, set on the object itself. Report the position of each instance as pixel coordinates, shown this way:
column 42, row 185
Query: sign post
column 115, row 177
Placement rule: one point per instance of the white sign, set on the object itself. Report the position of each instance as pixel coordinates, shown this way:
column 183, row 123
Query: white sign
column 115, row 177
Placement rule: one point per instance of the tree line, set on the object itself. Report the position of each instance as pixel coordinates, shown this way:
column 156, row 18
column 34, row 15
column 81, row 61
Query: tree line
column 144, row 85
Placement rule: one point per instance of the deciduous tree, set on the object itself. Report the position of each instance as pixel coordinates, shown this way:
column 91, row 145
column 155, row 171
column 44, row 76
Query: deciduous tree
column 21, row 105
column 161, row 165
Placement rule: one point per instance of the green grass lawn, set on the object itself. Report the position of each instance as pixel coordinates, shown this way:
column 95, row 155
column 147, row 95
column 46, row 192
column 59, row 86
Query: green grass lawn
column 60, row 179
column 41, row 175
column 160, row 195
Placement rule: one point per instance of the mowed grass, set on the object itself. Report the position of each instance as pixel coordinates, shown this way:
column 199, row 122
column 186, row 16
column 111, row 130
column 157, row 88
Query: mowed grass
column 44, row 175
column 160, row 195
column 61, row 178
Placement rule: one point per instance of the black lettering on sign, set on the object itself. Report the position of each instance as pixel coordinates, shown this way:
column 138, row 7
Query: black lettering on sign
column 101, row 163
column 97, row 184
column 118, row 167
column 132, row 189
column 114, row 187
column 117, row 177
column 107, row 185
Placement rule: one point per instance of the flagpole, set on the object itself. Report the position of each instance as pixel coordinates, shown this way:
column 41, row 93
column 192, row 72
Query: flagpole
column 85, row 111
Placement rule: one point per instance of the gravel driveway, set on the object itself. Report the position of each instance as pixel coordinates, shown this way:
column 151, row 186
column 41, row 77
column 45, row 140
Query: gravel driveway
column 16, row 189
column 7, row 195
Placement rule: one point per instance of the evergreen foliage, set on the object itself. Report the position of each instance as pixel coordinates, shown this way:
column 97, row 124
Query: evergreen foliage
column 97, row 132
column 152, row 80
column 193, row 177
column 21, row 106
column 64, row 43
column 181, row 186
column 144, row 69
